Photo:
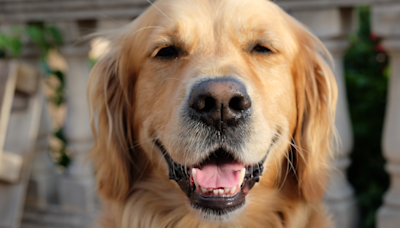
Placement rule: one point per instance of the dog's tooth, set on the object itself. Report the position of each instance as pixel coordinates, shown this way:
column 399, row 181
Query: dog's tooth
column 215, row 191
column 242, row 174
column 221, row 191
column 233, row 190
column 194, row 177
column 209, row 189
column 226, row 190
column 204, row 190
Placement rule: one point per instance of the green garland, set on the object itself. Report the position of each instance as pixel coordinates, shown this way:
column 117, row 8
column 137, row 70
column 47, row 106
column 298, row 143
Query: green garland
column 45, row 38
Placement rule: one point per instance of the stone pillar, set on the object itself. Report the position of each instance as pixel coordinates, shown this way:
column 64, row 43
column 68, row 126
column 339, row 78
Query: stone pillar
column 104, row 25
column 389, row 214
column 386, row 23
column 332, row 25
column 340, row 194
column 42, row 183
column 76, row 188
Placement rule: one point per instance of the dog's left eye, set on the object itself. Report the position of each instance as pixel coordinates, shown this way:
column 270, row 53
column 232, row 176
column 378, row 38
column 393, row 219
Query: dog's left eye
column 168, row 52
column 261, row 49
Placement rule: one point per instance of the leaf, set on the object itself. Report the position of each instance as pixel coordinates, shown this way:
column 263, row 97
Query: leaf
column 55, row 35
column 35, row 33
column 4, row 41
column 10, row 44
column 15, row 46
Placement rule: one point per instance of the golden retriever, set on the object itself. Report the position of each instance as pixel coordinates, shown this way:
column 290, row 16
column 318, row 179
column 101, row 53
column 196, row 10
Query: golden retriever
column 213, row 113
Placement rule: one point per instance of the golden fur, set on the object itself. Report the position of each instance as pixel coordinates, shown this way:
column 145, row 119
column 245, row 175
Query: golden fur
column 136, row 98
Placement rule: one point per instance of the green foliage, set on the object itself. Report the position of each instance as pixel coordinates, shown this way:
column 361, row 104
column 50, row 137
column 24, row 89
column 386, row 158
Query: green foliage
column 45, row 37
column 59, row 92
column 63, row 159
column 366, row 71
column 10, row 43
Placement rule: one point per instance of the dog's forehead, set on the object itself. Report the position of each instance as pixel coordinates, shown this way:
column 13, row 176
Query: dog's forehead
column 212, row 19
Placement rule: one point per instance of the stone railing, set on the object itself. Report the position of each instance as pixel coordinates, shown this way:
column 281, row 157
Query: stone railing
column 332, row 25
column 386, row 23
column 330, row 20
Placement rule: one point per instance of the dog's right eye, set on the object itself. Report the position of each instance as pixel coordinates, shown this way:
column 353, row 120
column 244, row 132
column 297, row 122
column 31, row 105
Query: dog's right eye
column 168, row 52
column 261, row 49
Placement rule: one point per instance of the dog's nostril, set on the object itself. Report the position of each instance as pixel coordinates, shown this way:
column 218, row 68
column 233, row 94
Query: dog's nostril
column 203, row 104
column 198, row 104
column 240, row 103
column 209, row 104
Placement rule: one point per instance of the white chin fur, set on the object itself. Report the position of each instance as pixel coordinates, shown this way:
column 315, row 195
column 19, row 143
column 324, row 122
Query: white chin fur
column 211, row 216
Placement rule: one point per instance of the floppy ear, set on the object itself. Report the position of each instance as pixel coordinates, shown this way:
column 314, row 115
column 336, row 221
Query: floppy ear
column 118, row 164
column 316, row 95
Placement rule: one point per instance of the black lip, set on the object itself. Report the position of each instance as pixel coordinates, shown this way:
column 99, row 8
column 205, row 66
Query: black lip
column 218, row 205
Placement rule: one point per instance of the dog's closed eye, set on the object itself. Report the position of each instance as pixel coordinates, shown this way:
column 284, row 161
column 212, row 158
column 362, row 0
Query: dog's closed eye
column 261, row 49
column 168, row 52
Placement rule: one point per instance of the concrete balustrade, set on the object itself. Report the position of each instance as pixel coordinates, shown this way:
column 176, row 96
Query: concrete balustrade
column 77, row 189
column 386, row 23
column 340, row 194
column 42, row 184
column 332, row 25
column 389, row 213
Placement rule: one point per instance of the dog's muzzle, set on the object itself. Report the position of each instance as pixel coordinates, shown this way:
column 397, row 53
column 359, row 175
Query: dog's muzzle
column 221, row 109
column 219, row 204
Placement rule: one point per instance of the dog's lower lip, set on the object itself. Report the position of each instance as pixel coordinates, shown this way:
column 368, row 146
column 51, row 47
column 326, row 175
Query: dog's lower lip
column 218, row 204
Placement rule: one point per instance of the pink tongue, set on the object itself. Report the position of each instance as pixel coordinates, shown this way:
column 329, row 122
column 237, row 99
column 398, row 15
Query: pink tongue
column 219, row 173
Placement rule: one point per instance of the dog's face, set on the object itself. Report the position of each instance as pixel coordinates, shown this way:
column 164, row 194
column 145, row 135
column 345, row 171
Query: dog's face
column 217, row 95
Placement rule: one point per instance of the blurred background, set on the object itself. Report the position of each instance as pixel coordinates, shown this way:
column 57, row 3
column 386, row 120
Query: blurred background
column 45, row 59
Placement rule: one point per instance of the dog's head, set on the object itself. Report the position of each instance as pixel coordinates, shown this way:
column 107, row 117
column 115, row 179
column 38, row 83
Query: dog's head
column 216, row 95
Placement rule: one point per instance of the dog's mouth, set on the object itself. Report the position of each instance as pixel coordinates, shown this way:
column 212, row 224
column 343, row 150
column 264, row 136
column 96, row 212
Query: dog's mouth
column 219, row 184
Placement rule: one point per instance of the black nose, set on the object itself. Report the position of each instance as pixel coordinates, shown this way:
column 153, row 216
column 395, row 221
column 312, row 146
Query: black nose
column 221, row 102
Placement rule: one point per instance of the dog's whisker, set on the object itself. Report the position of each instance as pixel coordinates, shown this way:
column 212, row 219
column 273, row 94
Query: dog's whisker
column 152, row 147
column 299, row 151
column 289, row 159
column 293, row 143
column 145, row 141
column 159, row 10
column 284, row 179
column 290, row 165
column 287, row 169
column 277, row 165
column 293, row 168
